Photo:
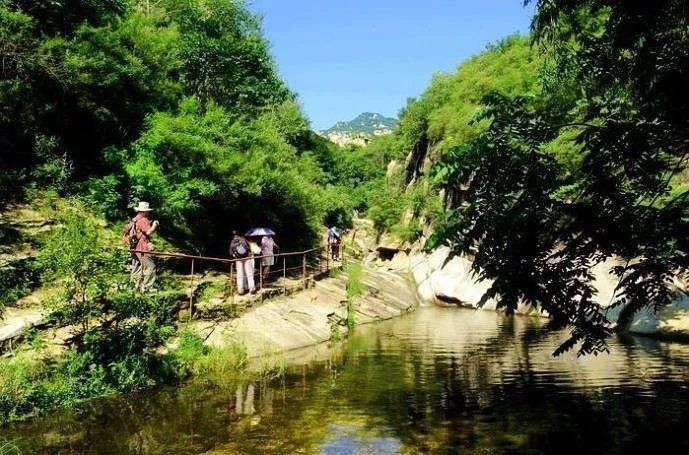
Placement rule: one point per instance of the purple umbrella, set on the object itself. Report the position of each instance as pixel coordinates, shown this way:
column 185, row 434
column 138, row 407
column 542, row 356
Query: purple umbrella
column 259, row 232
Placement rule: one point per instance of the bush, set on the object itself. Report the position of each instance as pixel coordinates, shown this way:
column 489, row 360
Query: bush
column 105, row 195
column 8, row 448
column 387, row 206
column 119, row 329
column 215, row 365
column 17, row 387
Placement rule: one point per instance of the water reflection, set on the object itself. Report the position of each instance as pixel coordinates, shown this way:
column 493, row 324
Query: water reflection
column 436, row 381
column 244, row 404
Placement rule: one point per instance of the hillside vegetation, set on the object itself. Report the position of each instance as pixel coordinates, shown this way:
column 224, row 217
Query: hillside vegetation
column 107, row 103
column 433, row 125
column 544, row 157
column 176, row 102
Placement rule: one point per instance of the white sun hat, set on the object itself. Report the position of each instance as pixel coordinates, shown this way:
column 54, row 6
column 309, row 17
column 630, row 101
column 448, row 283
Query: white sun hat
column 142, row 207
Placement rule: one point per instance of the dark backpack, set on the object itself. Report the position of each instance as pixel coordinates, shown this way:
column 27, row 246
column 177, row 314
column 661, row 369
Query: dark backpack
column 239, row 248
column 129, row 237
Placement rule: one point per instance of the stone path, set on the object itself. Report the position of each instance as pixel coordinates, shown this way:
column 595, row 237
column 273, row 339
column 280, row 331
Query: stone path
column 266, row 322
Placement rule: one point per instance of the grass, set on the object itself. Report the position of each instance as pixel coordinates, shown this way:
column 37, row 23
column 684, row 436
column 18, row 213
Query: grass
column 29, row 385
column 335, row 332
column 355, row 288
column 270, row 365
column 215, row 365
column 219, row 365
column 220, row 287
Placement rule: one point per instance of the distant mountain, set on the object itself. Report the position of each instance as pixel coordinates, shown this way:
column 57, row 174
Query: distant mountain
column 368, row 122
column 360, row 130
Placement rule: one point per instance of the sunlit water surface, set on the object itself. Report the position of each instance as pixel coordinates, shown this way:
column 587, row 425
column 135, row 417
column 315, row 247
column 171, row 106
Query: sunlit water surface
column 435, row 381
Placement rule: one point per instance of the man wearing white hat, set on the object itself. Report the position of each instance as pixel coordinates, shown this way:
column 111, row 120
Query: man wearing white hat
column 144, row 230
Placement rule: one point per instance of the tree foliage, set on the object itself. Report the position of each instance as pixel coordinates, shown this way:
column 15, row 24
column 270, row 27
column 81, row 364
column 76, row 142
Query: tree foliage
column 175, row 101
column 205, row 169
column 439, row 123
column 115, row 330
column 538, row 236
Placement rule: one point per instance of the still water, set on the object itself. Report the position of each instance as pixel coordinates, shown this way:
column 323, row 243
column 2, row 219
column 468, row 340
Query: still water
column 435, row 381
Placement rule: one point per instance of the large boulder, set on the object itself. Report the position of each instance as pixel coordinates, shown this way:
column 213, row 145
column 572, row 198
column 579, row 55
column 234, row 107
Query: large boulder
column 671, row 321
column 443, row 280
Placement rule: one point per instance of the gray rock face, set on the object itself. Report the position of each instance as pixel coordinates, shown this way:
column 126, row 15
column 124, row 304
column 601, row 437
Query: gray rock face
column 442, row 281
column 17, row 321
column 305, row 319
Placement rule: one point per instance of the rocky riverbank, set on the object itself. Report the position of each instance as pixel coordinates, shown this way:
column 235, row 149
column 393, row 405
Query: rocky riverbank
column 310, row 317
column 451, row 282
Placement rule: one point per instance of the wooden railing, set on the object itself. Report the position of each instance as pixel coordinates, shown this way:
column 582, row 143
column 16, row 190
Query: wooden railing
column 300, row 267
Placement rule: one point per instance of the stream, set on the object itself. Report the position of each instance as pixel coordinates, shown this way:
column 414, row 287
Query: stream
column 438, row 380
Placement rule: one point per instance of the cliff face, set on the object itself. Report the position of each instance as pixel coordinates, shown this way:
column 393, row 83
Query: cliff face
column 443, row 280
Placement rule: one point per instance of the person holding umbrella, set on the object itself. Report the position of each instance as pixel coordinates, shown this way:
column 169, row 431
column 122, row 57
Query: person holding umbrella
column 268, row 247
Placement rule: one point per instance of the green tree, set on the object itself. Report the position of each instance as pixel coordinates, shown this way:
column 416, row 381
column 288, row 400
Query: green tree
column 538, row 236
column 207, row 172
column 80, row 76
column 225, row 57
column 439, row 123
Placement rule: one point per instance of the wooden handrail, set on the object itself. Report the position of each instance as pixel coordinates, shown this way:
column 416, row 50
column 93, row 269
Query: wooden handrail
column 302, row 267
column 223, row 260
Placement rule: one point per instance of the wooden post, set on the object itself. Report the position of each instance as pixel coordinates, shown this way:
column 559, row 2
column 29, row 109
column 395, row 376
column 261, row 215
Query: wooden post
column 232, row 289
column 260, row 277
column 303, row 267
column 191, row 292
column 284, row 275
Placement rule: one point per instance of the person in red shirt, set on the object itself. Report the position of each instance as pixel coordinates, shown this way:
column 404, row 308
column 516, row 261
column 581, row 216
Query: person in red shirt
column 144, row 230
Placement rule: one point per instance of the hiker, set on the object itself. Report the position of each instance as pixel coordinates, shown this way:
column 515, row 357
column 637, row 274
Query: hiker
column 255, row 251
column 240, row 250
column 268, row 246
column 143, row 229
column 334, row 243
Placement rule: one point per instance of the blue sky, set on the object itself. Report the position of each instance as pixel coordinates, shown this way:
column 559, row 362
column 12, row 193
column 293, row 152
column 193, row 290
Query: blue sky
column 344, row 57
